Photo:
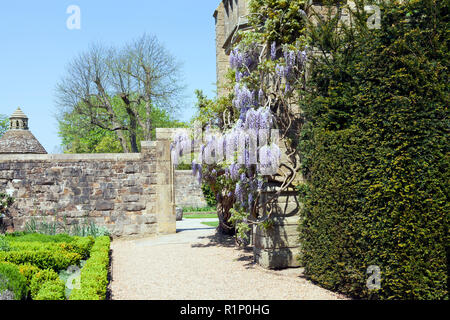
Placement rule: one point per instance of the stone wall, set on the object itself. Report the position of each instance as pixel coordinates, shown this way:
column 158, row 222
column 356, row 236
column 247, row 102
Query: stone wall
column 188, row 192
column 130, row 194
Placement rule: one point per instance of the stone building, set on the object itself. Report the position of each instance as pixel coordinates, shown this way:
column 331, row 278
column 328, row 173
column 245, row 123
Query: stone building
column 19, row 139
column 230, row 17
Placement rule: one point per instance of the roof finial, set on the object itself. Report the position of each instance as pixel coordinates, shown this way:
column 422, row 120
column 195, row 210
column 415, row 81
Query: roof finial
column 18, row 139
column 18, row 120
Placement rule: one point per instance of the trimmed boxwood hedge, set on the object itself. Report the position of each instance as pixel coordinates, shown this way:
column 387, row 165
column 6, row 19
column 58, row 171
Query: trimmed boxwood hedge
column 52, row 290
column 11, row 279
column 43, row 259
column 36, row 259
column 94, row 274
column 39, row 279
column 80, row 245
column 28, row 271
column 376, row 156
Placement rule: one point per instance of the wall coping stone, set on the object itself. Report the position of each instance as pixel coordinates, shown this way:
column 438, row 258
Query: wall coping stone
column 72, row 157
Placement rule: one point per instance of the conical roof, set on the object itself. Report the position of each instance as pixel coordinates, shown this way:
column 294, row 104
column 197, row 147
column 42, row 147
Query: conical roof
column 18, row 139
column 18, row 114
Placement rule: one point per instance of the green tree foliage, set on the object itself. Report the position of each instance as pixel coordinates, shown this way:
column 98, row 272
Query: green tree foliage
column 376, row 154
column 4, row 124
column 218, row 112
column 116, row 88
column 79, row 135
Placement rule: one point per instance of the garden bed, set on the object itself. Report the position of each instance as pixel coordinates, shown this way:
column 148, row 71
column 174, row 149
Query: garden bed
column 53, row 267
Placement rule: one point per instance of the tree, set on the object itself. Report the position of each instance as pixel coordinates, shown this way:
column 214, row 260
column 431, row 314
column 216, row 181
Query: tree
column 116, row 89
column 79, row 135
column 3, row 124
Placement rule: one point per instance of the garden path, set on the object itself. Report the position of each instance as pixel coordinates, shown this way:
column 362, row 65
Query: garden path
column 196, row 264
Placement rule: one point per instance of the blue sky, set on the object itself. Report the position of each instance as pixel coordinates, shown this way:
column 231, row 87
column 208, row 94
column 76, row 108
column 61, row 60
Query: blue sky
column 36, row 46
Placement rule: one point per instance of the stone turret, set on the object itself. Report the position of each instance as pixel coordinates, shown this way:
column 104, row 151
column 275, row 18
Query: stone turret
column 18, row 139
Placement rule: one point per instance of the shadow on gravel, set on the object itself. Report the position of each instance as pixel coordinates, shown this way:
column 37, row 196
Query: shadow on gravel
column 216, row 240
column 247, row 257
column 227, row 241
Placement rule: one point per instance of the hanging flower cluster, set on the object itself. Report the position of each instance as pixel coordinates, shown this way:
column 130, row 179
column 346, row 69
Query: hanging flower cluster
column 248, row 153
column 243, row 100
column 244, row 62
column 181, row 145
column 294, row 62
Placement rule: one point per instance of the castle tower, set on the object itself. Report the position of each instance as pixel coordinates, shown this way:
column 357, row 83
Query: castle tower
column 18, row 139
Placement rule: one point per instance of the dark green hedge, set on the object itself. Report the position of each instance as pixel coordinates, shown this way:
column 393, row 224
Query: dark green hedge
column 376, row 156
column 209, row 195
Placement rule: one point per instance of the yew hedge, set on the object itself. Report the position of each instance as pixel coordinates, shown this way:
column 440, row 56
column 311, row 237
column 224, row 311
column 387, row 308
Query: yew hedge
column 376, row 155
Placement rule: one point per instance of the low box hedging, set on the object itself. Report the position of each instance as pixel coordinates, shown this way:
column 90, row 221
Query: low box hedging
column 94, row 275
column 39, row 279
column 51, row 290
column 80, row 245
column 33, row 261
column 28, row 271
column 43, row 259
column 11, row 279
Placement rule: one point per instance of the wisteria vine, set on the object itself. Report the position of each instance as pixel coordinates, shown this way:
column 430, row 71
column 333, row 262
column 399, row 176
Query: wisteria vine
column 242, row 159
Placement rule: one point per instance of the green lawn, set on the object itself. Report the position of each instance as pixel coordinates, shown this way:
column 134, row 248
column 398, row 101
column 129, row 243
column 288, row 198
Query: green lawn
column 198, row 209
column 211, row 223
column 200, row 215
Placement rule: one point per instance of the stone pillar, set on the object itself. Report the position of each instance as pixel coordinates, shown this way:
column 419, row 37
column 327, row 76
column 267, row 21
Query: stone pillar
column 165, row 196
column 277, row 247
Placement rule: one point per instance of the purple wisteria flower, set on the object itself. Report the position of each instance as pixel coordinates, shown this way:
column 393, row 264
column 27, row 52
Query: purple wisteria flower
column 243, row 97
column 269, row 157
column 199, row 176
column 280, row 71
column 238, row 192
column 240, row 59
column 234, row 171
column 301, row 57
column 273, row 51
column 236, row 59
column 258, row 119
column 250, row 200
column 265, row 119
column 194, row 167
column 261, row 96
column 260, row 183
column 252, row 119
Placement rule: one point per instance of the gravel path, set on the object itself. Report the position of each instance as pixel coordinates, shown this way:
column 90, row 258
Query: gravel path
column 195, row 264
